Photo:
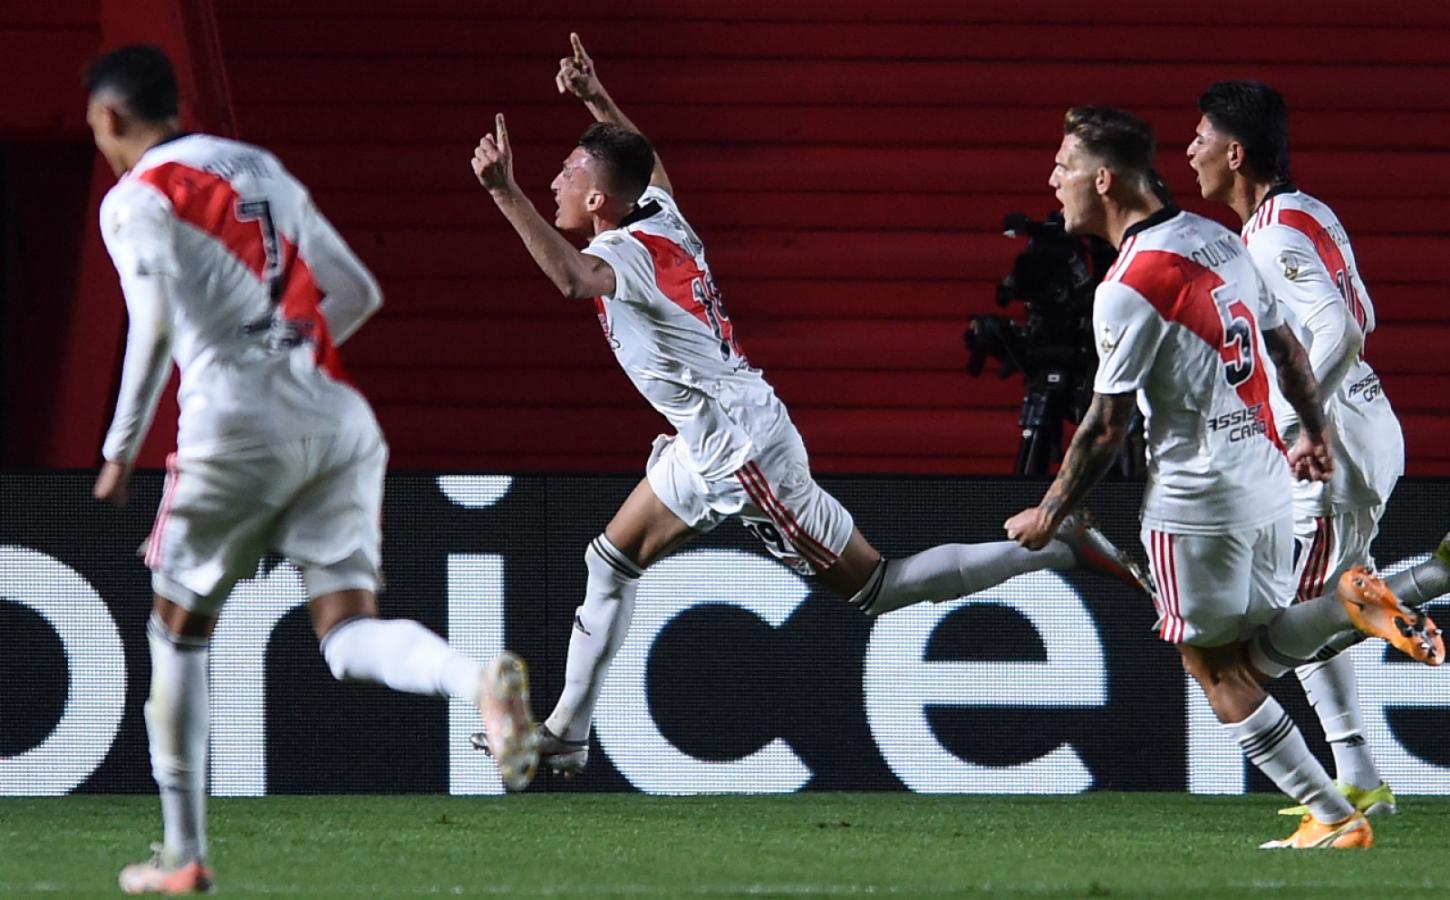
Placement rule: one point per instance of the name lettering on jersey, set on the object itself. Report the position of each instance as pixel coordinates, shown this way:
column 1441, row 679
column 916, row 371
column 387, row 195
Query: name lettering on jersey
column 1336, row 233
column 1217, row 253
column 687, row 238
column 253, row 164
column 1368, row 389
column 1241, row 423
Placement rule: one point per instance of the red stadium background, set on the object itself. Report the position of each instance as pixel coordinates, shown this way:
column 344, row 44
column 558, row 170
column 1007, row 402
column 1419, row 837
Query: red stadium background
column 847, row 163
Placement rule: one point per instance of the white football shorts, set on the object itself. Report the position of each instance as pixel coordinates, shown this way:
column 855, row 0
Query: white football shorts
column 316, row 501
column 1328, row 546
column 773, row 494
column 1216, row 589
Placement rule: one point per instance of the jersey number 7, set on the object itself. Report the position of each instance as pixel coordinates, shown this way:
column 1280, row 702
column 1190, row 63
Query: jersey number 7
column 279, row 332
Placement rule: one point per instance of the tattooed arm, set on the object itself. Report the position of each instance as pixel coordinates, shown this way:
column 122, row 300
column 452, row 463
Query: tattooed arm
column 1094, row 448
column 1310, row 457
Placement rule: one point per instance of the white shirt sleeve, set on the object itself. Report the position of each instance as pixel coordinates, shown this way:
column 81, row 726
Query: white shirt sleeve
column 350, row 293
column 137, row 229
column 634, row 271
column 1128, row 332
column 1297, row 277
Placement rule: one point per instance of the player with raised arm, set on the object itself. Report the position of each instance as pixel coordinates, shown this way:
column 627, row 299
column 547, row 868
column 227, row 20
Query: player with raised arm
column 735, row 451
column 229, row 268
column 1240, row 152
column 1183, row 324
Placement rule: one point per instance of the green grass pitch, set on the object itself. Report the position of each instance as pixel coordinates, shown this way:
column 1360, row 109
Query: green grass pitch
column 614, row 845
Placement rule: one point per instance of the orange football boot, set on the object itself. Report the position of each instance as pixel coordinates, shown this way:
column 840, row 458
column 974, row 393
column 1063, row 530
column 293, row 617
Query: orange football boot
column 1375, row 610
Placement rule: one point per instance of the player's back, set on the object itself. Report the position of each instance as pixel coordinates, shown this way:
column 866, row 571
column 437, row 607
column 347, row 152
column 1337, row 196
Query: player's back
column 1179, row 318
column 1304, row 254
column 667, row 326
column 246, row 252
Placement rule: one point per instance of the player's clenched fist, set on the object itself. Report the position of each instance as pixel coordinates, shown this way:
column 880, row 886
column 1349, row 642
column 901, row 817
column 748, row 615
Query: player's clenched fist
column 576, row 73
column 492, row 160
column 1032, row 528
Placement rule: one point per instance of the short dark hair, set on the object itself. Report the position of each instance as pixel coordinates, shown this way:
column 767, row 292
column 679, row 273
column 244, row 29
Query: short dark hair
column 1121, row 139
column 1253, row 114
column 140, row 76
column 628, row 158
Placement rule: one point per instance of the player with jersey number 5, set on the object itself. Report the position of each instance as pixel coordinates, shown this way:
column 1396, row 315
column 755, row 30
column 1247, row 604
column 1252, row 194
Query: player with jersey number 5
column 1183, row 325
column 228, row 267
column 734, row 451
column 1240, row 153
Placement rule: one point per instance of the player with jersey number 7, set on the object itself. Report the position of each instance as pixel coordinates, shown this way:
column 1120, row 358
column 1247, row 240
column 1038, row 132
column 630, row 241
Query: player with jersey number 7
column 734, row 451
column 229, row 268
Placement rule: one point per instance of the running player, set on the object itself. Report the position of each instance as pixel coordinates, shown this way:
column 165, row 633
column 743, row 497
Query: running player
column 735, row 452
column 227, row 266
column 1240, row 152
column 1182, row 325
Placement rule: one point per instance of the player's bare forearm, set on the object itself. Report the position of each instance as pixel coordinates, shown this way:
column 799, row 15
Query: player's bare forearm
column 574, row 274
column 1093, row 449
column 1296, row 378
column 603, row 108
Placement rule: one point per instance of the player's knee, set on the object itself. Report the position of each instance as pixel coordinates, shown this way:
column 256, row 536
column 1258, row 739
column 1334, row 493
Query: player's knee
column 1211, row 666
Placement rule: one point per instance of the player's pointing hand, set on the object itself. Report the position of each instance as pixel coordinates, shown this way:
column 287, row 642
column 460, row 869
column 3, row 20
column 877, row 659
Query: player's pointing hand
column 493, row 161
column 576, row 73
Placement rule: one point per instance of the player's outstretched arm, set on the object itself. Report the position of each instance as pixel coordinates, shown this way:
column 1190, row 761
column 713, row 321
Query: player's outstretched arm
column 1094, row 447
column 578, row 76
column 575, row 274
column 1310, row 457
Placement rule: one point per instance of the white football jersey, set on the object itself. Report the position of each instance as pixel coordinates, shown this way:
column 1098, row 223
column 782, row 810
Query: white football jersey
column 1178, row 319
column 669, row 331
column 1303, row 254
column 247, row 261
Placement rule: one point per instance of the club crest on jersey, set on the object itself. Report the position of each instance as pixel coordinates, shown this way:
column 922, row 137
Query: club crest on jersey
column 1107, row 343
column 1291, row 266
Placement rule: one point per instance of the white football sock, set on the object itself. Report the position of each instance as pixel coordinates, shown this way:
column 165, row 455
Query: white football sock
column 951, row 571
column 401, row 654
column 1272, row 742
column 1297, row 634
column 600, row 626
column 1332, row 691
column 1420, row 584
column 177, row 722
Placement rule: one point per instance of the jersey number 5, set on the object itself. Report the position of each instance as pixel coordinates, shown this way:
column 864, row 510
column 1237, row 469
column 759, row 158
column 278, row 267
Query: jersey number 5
column 1238, row 344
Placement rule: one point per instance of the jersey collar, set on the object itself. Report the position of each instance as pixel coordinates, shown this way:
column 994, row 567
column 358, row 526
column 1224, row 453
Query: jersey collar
column 640, row 214
column 1168, row 211
column 1283, row 187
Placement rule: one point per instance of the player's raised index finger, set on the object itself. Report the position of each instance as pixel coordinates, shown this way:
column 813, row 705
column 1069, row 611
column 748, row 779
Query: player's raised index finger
column 579, row 52
column 503, row 133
